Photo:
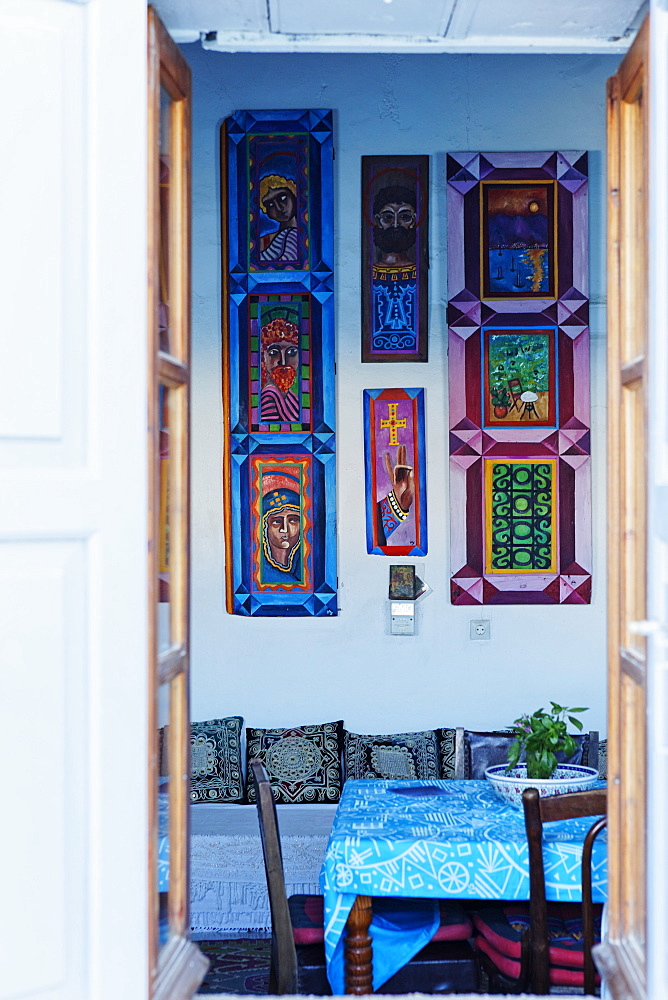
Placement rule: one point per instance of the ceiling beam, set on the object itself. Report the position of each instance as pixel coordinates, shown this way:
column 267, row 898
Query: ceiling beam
column 229, row 41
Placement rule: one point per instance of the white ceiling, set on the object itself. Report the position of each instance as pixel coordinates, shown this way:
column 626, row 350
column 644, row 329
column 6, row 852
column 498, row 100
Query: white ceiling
column 404, row 25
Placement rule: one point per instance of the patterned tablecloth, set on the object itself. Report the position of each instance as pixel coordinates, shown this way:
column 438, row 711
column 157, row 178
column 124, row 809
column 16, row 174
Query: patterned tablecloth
column 163, row 842
column 435, row 839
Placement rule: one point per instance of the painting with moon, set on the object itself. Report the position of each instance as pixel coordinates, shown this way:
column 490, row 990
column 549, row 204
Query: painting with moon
column 518, row 239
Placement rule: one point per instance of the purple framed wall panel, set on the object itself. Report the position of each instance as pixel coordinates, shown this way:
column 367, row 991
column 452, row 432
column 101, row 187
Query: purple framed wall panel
column 518, row 319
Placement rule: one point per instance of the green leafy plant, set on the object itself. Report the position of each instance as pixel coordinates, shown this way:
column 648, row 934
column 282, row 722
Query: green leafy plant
column 500, row 396
column 541, row 736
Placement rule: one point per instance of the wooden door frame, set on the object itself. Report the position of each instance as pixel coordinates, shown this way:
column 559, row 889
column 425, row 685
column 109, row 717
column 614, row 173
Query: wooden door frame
column 177, row 967
column 622, row 955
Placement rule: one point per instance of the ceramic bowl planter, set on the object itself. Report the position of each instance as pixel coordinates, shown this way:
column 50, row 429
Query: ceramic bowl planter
column 566, row 778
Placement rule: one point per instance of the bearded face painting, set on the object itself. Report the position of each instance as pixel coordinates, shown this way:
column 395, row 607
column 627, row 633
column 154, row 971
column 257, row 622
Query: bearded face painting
column 280, row 365
column 281, row 362
column 394, row 258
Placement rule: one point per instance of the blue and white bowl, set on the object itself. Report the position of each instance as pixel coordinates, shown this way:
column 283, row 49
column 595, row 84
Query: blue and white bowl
column 567, row 778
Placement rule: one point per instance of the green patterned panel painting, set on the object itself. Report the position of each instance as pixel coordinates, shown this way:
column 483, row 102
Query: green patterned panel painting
column 520, row 516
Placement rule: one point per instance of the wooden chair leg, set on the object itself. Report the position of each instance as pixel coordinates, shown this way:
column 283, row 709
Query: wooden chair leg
column 358, row 955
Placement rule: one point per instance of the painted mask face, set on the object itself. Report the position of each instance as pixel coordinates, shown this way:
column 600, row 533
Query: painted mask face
column 396, row 214
column 283, row 531
column 395, row 227
column 282, row 361
column 279, row 204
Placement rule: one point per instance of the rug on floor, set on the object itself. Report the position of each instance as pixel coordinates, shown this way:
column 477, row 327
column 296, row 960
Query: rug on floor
column 239, row 966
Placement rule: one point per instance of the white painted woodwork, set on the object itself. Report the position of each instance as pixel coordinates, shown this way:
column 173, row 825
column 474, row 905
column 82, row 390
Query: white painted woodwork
column 41, row 206
column 404, row 25
column 372, row 17
column 187, row 18
column 543, row 18
column 73, row 499
column 42, row 588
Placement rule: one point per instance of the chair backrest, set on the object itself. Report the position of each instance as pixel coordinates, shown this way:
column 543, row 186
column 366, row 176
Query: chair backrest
column 538, row 811
column 515, row 386
column 283, row 973
column 482, row 749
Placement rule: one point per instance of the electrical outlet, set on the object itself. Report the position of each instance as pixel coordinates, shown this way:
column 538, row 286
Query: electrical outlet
column 480, row 628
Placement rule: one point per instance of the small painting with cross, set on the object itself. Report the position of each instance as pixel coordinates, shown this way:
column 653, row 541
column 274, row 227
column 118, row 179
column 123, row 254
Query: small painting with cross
column 395, row 471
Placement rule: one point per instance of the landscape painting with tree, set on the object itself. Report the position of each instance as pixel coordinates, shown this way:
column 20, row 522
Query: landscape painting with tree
column 518, row 319
column 519, row 371
column 279, row 485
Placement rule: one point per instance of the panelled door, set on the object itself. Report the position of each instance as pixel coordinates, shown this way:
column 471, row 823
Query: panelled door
column 177, row 966
column 623, row 956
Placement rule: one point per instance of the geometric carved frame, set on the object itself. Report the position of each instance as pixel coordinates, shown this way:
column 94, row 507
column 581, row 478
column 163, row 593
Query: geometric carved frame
column 381, row 447
column 562, row 308
column 298, row 452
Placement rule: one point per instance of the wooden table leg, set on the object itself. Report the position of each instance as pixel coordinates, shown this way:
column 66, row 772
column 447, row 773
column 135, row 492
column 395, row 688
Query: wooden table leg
column 357, row 951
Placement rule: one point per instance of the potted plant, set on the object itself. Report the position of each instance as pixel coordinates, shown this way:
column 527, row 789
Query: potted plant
column 540, row 737
column 500, row 400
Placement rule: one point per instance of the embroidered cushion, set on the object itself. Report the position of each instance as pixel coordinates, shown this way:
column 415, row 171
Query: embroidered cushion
column 603, row 760
column 303, row 763
column 399, row 755
column 215, row 767
column 446, row 752
column 483, row 749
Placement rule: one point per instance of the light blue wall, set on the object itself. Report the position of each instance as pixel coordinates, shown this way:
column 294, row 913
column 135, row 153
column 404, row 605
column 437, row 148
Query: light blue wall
column 297, row 671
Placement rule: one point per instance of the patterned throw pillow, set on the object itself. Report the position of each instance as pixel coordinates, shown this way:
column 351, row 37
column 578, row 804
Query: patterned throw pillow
column 399, row 755
column 603, row 760
column 303, row 763
column 215, row 767
column 446, row 751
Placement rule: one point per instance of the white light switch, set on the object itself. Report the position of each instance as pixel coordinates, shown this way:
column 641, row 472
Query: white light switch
column 402, row 618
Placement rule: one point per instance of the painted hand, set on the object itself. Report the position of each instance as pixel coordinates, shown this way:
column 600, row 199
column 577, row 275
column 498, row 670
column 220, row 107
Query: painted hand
column 401, row 477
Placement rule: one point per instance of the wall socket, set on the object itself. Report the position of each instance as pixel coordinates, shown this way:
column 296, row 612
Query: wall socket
column 480, row 628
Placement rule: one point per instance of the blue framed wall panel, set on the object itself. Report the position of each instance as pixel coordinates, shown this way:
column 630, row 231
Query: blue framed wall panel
column 279, row 483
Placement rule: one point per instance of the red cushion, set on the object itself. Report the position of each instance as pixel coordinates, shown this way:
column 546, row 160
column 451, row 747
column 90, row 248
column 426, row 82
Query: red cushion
column 510, row 967
column 306, row 914
column 454, row 923
column 559, row 976
column 500, row 937
column 495, row 925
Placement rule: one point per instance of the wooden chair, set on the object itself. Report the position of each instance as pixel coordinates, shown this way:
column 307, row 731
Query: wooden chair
column 477, row 750
column 531, row 948
column 446, row 965
column 515, row 387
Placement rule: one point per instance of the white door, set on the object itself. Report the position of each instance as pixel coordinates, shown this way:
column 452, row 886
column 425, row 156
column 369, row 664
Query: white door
column 73, row 500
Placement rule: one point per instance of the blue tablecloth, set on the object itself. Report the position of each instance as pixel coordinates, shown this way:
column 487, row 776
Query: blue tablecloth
column 163, row 842
column 426, row 840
